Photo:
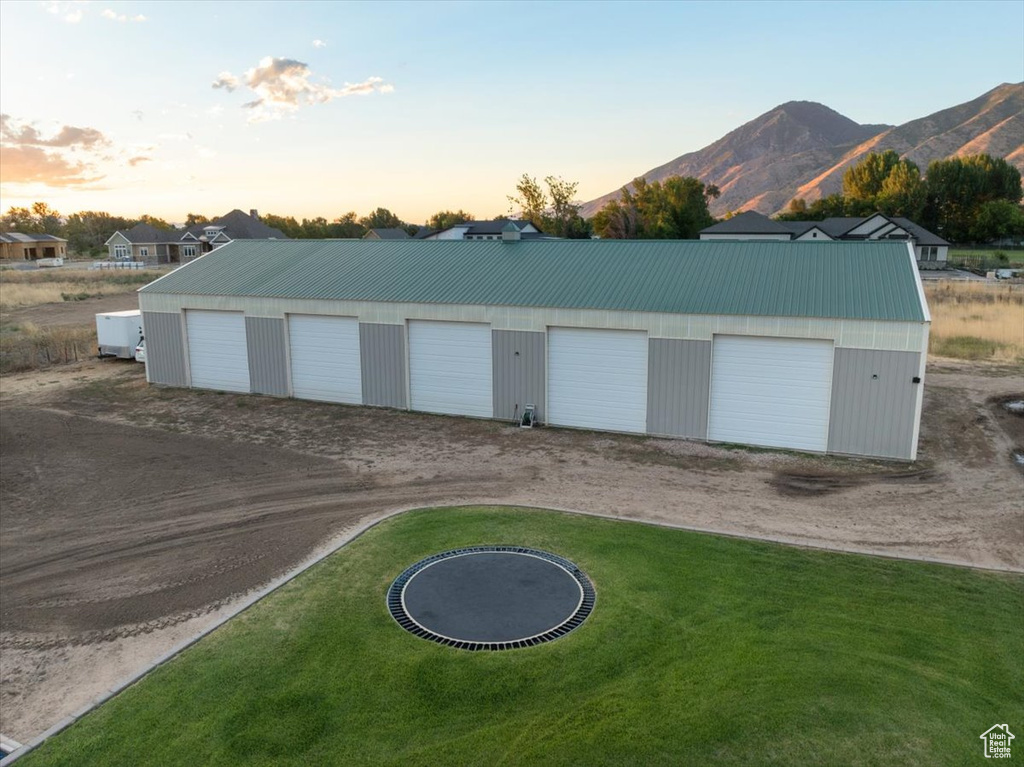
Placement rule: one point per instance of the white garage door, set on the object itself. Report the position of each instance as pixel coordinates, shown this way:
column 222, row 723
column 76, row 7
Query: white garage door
column 597, row 379
column 771, row 391
column 325, row 358
column 450, row 368
column 217, row 354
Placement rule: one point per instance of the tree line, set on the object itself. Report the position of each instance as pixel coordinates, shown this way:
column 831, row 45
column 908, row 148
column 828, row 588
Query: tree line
column 975, row 198
column 963, row 199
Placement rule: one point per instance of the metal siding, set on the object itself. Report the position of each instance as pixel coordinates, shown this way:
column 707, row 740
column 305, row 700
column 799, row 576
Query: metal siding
column 855, row 334
column 382, row 361
column 839, row 280
column 678, row 386
column 518, row 380
column 165, row 351
column 268, row 362
column 874, row 417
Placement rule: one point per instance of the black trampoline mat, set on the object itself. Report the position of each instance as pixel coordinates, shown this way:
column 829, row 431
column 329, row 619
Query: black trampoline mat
column 491, row 597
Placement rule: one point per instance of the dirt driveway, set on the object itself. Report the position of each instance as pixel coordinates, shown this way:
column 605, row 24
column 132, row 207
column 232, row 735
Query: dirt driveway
column 132, row 516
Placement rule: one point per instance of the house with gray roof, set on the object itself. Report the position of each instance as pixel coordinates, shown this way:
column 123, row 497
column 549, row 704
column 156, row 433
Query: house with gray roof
column 930, row 250
column 393, row 233
column 147, row 243
column 489, row 230
column 15, row 246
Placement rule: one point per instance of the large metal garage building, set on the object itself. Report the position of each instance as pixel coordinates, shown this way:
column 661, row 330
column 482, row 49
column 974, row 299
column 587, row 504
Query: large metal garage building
column 816, row 346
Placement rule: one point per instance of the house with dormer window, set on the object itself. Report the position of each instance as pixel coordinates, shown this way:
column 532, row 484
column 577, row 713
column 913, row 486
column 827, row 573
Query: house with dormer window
column 172, row 246
column 930, row 249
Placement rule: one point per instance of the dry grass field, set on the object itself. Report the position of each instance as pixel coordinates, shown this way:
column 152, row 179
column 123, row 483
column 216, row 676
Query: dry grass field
column 20, row 289
column 977, row 320
column 27, row 343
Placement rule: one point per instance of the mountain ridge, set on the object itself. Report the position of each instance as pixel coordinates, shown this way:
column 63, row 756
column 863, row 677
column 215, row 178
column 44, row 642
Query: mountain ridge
column 803, row 148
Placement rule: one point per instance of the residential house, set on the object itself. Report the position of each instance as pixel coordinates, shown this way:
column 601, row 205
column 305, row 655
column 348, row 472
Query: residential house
column 930, row 250
column 16, row 246
column 489, row 230
column 386, row 234
column 170, row 246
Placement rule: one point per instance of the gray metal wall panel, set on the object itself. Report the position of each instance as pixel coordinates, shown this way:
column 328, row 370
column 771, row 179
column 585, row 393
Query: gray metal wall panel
column 382, row 363
column 874, row 403
column 519, row 372
column 165, row 350
column 268, row 360
column 678, row 386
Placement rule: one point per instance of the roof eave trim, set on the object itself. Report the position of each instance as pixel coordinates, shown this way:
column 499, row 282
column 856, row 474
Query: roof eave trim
column 917, row 281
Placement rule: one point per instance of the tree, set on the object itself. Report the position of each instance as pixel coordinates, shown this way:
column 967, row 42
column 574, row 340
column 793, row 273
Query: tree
column 555, row 211
column 195, row 218
column 884, row 182
column 564, row 219
column 19, row 220
column 530, row 199
column 87, row 231
column 903, row 192
column 153, row 221
column 445, row 219
column 287, row 225
column 957, row 188
column 381, row 218
column 864, row 180
column 833, row 205
column 676, row 208
column 315, row 228
column 347, row 226
column 47, row 219
column 998, row 220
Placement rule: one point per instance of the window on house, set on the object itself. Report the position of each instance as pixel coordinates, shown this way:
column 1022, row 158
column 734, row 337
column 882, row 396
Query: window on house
column 143, row 252
column 120, row 251
column 188, row 251
column 929, row 253
column 814, row 235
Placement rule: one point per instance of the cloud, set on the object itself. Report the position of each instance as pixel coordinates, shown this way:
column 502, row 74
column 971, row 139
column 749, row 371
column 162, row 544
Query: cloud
column 139, row 114
column 226, row 80
column 138, row 160
column 65, row 158
column 175, row 136
column 69, row 136
column 71, row 12
column 121, row 17
column 29, row 164
column 319, row 44
column 283, row 86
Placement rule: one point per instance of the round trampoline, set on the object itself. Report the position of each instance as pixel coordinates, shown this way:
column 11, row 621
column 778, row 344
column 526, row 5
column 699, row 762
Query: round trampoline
column 491, row 597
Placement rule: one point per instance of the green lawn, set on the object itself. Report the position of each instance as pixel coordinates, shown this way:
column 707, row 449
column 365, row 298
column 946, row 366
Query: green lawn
column 701, row 650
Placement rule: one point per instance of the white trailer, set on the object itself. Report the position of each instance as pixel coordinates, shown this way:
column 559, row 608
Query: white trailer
column 118, row 333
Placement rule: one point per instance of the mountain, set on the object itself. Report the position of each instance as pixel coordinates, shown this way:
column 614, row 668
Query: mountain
column 802, row 149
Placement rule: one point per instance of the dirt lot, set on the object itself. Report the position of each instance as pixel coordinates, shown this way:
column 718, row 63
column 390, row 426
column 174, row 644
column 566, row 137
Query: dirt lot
column 133, row 516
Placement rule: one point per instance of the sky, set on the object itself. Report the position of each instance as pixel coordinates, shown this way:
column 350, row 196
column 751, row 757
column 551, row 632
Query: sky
column 317, row 109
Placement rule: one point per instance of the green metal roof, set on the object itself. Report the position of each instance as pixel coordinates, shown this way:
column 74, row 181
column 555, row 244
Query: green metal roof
column 842, row 280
